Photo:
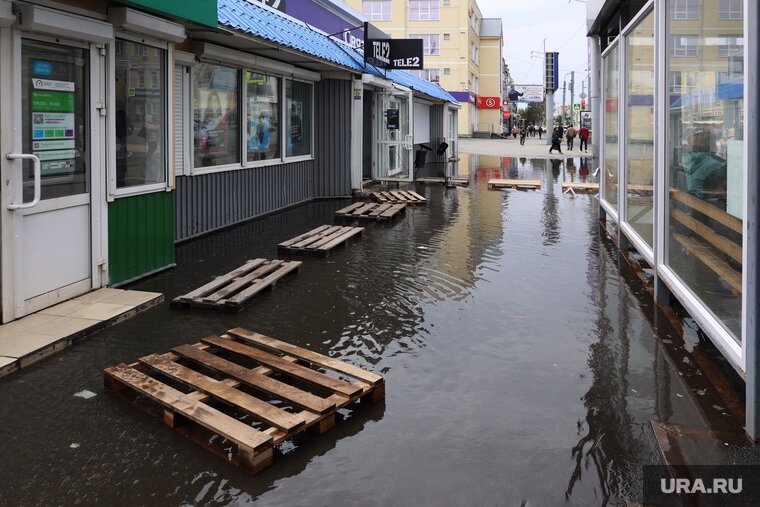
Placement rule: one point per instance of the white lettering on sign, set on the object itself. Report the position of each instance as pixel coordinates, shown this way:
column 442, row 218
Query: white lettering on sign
column 413, row 61
column 49, row 84
column 382, row 51
column 490, row 102
column 271, row 3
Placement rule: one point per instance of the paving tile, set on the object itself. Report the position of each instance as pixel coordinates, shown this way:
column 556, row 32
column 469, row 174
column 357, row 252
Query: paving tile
column 99, row 295
column 23, row 343
column 132, row 297
column 17, row 326
column 101, row 311
column 5, row 361
column 65, row 308
column 63, row 326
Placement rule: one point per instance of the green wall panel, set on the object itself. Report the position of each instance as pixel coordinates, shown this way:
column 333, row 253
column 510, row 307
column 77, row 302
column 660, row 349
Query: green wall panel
column 202, row 12
column 140, row 235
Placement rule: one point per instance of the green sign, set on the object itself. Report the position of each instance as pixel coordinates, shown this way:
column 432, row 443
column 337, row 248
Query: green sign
column 202, row 12
column 60, row 102
column 576, row 107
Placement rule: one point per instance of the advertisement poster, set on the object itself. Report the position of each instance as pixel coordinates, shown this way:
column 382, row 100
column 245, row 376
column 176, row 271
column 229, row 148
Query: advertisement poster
column 531, row 94
column 53, row 124
column 392, row 119
column 296, row 121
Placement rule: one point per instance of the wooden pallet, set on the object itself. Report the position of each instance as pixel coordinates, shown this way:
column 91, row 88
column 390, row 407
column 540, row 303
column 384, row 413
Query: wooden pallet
column 462, row 182
column 518, row 184
column 250, row 389
column 579, row 187
column 233, row 290
column 371, row 211
column 321, row 240
column 399, row 196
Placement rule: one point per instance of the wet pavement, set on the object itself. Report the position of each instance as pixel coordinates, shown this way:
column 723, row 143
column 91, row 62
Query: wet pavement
column 523, row 360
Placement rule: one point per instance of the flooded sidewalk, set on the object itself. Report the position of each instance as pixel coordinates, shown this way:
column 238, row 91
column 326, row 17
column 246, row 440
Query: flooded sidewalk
column 523, row 361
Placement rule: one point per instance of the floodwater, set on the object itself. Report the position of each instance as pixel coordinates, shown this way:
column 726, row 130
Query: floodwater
column 523, row 362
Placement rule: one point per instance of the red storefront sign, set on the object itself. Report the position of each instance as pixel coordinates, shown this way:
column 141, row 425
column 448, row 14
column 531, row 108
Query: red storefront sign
column 487, row 102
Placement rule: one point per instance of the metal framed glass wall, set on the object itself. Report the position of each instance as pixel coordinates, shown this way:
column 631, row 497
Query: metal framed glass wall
column 611, row 128
column 637, row 217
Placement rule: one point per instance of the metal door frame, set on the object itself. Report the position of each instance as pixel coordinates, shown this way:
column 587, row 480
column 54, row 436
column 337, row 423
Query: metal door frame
column 407, row 143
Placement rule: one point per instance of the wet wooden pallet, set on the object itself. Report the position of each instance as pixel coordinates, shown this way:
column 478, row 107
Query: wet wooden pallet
column 371, row 211
column 579, row 187
column 252, row 390
column 399, row 196
column 322, row 239
column 234, row 289
column 518, row 184
column 462, row 182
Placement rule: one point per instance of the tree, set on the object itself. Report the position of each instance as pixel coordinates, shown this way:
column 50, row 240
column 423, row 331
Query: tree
column 533, row 114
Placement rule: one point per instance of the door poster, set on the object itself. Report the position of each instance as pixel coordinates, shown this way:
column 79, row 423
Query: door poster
column 53, row 123
column 392, row 119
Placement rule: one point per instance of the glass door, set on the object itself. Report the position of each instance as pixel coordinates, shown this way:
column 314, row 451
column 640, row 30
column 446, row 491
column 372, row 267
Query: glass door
column 394, row 141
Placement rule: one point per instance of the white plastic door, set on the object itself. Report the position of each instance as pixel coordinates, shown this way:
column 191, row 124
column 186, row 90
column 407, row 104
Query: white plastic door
column 393, row 136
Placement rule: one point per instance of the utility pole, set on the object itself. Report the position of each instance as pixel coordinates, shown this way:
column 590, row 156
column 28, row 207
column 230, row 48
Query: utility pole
column 562, row 115
column 572, row 97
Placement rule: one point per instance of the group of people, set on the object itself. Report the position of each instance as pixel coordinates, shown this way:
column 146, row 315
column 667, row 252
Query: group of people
column 570, row 134
column 530, row 131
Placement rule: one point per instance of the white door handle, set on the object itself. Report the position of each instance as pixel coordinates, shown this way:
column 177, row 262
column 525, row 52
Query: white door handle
column 408, row 142
column 37, row 179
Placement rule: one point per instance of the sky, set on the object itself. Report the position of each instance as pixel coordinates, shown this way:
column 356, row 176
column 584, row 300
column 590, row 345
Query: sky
column 527, row 22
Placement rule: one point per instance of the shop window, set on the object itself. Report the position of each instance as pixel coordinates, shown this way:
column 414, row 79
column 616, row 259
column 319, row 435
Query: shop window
column 432, row 75
column 705, row 163
column 141, row 126
column 430, row 43
column 639, row 147
column 263, row 116
column 216, row 130
column 683, row 45
column 298, row 128
column 730, row 9
column 424, row 10
column 377, row 10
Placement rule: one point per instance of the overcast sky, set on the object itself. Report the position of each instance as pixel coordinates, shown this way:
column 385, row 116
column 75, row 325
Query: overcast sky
column 527, row 22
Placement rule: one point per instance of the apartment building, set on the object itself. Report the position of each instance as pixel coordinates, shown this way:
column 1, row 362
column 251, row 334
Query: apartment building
column 462, row 51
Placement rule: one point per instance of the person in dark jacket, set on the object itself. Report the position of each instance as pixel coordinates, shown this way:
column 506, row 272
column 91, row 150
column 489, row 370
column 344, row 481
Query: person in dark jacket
column 556, row 140
column 704, row 170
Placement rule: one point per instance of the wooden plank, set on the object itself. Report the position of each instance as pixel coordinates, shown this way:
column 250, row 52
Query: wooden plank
column 222, row 280
column 242, row 282
column 349, row 209
column 347, row 234
column 308, row 355
column 512, row 183
column 304, row 236
column 364, row 209
column 390, row 197
column 580, row 186
column 717, row 214
column 198, row 412
column 380, row 209
column 718, row 265
column 338, row 232
column 379, row 197
column 281, row 365
column 723, row 244
column 262, row 283
column 308, row 242
column 396, row 208
column 418, row 196
column 257, row 380
column 260, row 409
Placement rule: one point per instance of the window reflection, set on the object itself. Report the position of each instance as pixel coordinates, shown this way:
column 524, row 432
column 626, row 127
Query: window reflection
column 611, row 129
column 705, row 157
column 215, row 115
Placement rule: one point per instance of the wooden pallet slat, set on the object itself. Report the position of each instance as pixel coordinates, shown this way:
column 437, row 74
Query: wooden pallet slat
column 309, row 242
column 230, row 390
column 307, row 355
column 512, row 183
column 235, row 288
column 398, row 196
column 279, row 364
column 350, row 208
column 371, row 210
column 342, row 238
column 304, row 235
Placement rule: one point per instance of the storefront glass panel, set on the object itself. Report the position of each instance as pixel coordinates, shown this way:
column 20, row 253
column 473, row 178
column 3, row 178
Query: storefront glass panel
column 639, row 163
column 216, row 129
column 611, row 127
column 298, row 106
column 140, row 114
column 705, row 98
column 263, row 116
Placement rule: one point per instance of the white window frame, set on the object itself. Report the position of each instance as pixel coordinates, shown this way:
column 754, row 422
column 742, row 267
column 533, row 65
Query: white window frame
column 283, row 112
column 680, row 10
column 730, row 45
column 426, row 10
column 113, row 191
column 379, row 10
column 280, row 131
column 725, row 10
column 431, row 43
column 683, row 50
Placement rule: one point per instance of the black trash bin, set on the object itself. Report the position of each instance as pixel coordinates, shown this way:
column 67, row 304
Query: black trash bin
column 420, row 156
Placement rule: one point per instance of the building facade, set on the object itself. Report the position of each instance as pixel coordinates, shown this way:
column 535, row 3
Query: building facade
column 127, row 127
column 462, row 51
column 676, row 87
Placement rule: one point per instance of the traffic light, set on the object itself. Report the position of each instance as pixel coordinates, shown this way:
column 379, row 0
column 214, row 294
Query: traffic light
column 583, row 103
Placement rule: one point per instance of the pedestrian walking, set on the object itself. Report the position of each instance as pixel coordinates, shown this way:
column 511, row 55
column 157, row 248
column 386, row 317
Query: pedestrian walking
column 514, row 132
column 540, row 131
column 570, row 136
column 583, row 134
column 556, row 140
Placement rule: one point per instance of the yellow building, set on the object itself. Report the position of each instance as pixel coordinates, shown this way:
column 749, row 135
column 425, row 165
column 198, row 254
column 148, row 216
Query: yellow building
column 462, row 51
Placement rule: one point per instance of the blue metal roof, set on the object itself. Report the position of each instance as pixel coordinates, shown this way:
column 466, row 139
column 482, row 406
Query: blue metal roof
column 273, row 26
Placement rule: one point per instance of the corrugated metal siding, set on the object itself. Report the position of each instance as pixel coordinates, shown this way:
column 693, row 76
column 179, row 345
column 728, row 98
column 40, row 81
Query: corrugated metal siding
column 435, row 163
column 332, row 142
column 140, row 235
column 212, row 201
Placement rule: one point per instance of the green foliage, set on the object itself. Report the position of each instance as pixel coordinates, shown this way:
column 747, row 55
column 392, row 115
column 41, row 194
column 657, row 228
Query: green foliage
column 533, row 114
